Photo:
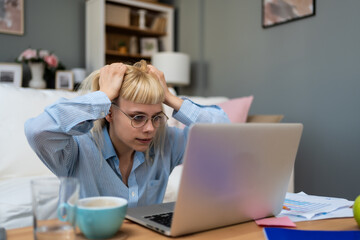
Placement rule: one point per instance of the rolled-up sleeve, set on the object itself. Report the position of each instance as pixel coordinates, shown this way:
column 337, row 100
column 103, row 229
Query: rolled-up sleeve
column 52, row 134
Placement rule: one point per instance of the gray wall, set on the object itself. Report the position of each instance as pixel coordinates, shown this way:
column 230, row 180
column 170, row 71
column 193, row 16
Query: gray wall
column 308, row 70
column 58, row 26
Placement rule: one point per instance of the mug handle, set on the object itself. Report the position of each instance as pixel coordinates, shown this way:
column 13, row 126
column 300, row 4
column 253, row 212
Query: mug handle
column 60, row 216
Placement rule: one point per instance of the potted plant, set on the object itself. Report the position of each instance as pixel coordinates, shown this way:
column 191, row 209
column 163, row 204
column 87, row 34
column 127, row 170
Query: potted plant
column 43, row 66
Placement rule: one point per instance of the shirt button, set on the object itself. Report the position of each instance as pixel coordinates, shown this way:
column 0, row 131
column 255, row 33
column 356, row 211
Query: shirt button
column 133, row 194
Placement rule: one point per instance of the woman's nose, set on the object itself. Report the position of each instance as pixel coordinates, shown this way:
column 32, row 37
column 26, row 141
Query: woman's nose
column 149, row 126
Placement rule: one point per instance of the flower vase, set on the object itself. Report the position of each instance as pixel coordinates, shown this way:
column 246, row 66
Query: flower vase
column 37, row 73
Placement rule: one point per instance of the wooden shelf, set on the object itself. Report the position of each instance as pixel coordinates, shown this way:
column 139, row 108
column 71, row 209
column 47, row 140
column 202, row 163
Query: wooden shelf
column 126, row 55
column 133, row 30
column 110, row 23
column 115, row 56
column 157, row 3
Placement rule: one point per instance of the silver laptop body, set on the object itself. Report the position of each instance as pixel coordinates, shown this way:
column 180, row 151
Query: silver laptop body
column 232, row 173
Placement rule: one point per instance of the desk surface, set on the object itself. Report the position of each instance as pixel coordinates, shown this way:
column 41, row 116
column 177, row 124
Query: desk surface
column 248, row 230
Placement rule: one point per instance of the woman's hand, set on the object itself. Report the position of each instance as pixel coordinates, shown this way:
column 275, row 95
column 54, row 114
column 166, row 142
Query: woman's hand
column 170, row 99
column 160, row 76
column 111, row 77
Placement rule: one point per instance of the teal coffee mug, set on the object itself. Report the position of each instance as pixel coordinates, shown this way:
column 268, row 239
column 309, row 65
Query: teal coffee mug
column 66, row 212
column 100, row 217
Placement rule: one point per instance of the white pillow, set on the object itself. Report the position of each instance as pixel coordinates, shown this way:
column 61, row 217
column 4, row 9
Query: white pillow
column 172, row 187
column 17, row 105
column 15, row 203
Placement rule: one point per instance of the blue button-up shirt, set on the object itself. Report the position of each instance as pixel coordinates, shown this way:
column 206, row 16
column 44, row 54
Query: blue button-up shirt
column 61, row 138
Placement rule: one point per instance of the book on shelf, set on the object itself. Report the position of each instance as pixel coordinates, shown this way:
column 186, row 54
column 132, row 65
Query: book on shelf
column 159, row 24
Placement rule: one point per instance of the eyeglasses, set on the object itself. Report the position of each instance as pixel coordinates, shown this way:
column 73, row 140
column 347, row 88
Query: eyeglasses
column 140, row 120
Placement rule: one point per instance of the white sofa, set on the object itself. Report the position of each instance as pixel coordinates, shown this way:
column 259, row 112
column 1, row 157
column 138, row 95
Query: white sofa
column 19, row 164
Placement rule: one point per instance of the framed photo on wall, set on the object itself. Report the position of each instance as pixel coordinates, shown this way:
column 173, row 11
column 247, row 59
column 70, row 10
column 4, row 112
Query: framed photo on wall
column 275, row 12
column 149, row 46
column 11, row 73
column 64, row 80
column 12, row 16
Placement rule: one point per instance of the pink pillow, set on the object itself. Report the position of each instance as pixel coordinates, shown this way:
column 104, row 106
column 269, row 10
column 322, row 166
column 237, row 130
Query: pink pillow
column 237, row 109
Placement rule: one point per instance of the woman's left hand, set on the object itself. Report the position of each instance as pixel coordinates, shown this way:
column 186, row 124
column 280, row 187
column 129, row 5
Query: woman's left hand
column 170, row 99
column 160, row 76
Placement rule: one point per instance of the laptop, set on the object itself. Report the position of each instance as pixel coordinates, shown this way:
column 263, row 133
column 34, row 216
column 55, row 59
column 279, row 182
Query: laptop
column 232, row 173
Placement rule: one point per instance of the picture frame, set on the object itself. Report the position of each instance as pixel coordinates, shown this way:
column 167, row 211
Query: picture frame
column 64, row 80
column 12, row 17
column 276, row 12
column 11, row 73
column 149, row 46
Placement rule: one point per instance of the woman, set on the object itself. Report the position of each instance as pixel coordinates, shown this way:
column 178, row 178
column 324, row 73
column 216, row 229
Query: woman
column 115, row 139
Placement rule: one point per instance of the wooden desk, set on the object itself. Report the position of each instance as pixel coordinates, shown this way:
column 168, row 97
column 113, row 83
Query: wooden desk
column 248, row 230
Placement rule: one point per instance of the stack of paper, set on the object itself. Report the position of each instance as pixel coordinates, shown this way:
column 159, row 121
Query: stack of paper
column 303, row 207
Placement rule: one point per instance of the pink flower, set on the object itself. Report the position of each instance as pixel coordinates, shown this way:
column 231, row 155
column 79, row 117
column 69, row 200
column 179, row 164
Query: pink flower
column 33, row 55
column 28, row 54
column 51, row 60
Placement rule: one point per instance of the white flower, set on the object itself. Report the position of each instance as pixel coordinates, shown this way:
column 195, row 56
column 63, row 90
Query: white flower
column 43, row 53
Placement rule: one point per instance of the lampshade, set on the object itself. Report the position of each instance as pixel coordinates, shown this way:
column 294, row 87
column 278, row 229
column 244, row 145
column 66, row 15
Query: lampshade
column 174, row 65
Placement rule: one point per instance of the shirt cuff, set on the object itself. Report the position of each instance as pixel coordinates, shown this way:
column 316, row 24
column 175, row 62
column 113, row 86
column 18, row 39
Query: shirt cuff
column 188, row 112
column 100, row 103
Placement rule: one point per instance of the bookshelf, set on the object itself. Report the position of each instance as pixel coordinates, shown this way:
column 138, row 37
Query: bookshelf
column 126, row 31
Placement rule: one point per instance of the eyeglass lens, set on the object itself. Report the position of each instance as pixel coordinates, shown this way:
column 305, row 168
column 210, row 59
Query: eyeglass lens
column 140, row 120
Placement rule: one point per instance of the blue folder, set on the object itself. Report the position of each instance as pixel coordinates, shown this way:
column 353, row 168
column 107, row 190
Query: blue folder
column 293, row 234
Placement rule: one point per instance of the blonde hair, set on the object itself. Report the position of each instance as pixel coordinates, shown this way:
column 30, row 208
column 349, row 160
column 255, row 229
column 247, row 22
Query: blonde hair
column 138, row 86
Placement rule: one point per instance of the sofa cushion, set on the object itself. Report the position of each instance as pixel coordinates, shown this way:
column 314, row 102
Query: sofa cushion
column 265, row 118
column 237, row 109
column 15, row 202
column 17, row 105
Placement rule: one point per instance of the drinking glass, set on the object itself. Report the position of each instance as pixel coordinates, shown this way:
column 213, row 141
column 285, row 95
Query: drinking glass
column 51, row 217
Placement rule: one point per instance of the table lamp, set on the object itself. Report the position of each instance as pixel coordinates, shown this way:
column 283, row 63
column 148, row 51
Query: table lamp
column 174, row 65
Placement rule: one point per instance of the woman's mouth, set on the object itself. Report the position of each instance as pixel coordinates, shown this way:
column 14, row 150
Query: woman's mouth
column 144, row 140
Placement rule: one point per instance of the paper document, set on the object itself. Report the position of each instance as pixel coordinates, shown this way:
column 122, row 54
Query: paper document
column 303, row 207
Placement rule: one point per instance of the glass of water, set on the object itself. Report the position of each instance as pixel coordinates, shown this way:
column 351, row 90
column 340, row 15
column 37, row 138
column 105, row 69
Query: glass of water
column 54, row 205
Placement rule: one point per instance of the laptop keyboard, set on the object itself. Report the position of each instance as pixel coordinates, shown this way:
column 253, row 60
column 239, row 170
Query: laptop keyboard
column 164, row 218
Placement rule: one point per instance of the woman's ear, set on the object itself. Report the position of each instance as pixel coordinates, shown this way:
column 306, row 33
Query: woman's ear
column 109, row 116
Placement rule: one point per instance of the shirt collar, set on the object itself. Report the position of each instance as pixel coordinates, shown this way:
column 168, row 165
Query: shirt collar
column 139, row 159
column 108, row 150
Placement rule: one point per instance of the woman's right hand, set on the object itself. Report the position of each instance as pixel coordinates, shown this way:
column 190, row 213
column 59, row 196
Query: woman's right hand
column 170, row 99
column 111, row 77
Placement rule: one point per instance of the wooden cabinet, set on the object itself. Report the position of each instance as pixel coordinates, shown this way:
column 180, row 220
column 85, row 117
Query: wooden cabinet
column 126, row 31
